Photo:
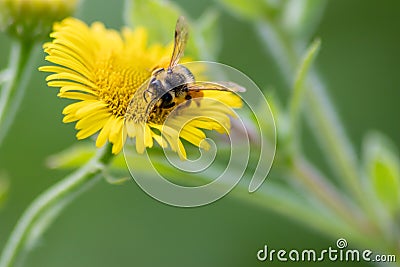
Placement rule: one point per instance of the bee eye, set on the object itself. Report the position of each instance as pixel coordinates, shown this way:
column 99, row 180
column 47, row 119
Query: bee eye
column 167, row 97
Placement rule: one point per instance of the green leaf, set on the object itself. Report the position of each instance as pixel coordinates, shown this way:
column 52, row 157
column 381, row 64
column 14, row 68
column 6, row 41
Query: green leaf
column 116, row 177
column 72, row 157
column 77, row 155
column 158, row 16
column 383, row 168
column 252, row 10
column 300, row 86
column 304, row 67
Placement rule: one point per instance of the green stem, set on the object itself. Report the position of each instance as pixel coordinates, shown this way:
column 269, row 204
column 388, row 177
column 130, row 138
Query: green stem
column 55, row 198
column 312, row 180
column 326, row 126
column 13, row 89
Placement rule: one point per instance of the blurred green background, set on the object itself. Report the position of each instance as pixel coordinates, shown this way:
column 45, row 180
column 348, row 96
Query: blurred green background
column 122, row 226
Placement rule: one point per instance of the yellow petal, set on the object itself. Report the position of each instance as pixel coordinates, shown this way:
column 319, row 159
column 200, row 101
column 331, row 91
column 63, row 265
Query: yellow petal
column 89, row 130
column 72, row 77
column 140, row 142
column 148, row 138
column 94, row 118
column 76, row 96
column 160, row 140
column 105, row 132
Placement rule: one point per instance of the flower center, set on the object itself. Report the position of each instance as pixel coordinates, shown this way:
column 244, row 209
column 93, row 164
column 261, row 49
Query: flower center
column 117, row 83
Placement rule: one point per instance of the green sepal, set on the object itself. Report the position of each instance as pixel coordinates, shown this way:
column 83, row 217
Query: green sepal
column 78, row 155
column 382, row 165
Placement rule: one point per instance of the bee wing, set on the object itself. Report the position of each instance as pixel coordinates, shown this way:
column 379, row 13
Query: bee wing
column 220, row 86
column 181, row 37
column 141, row 103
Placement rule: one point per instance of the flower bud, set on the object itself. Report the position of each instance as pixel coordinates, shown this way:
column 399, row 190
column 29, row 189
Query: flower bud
column 31, row 20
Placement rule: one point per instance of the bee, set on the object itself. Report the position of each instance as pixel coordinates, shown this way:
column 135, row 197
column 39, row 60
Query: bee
column 167, row 88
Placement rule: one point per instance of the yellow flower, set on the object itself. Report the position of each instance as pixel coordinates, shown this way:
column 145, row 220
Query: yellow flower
column 102, row 69
column 32, row 19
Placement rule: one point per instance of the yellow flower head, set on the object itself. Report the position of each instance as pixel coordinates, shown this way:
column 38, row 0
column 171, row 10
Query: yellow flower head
column 32, row 19
column 102, row 69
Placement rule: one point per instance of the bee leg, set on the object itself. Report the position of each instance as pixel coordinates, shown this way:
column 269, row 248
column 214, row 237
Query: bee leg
column 147, row 109
column 150, row 107
column 170, row 105
column 144, row 96
column 197, row 101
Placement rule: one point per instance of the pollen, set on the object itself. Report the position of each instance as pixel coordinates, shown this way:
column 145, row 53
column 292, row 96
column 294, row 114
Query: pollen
column 117, row 83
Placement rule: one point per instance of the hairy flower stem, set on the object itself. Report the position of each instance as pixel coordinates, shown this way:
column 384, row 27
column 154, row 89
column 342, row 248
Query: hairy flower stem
column 320, row 111
column 47, row 205
column 13, row 89
column 313, row 180
column 326, row 126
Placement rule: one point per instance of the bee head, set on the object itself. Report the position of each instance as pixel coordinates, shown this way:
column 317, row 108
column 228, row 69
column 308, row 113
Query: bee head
column 178, row 76
column 168, row 79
